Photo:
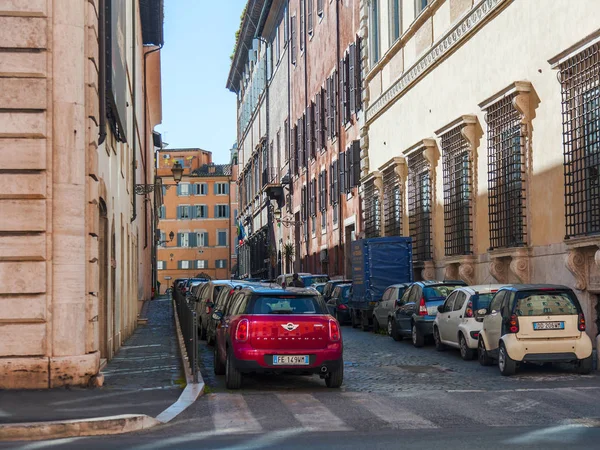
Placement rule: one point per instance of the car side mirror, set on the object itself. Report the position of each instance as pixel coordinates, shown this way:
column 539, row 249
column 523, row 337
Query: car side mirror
column 440, row 308
column 217, row 315
column 398, row 302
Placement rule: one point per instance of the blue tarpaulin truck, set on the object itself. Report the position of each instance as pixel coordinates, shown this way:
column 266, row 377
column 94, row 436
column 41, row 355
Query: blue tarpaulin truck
column 376, row 264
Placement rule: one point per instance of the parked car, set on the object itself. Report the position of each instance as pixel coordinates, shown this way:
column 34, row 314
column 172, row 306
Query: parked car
column 455, row 324
column 337, row 305
column 274, row 330
column 205, row 302
column 417, row 309
column 319, row 287
column 307, row 278
column 330, row 286
column 383, row 311
column 534, row 323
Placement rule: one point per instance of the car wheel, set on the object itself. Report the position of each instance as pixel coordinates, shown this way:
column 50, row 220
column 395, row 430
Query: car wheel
column 584, row 366
column 335, row 377
column 439, row 346
column 375, row 325
column 218, row 365
column 482, row 354
column 393, row 330
column 466, row 353
column 506, row 364
column 233, row 377
column 364, row 322
column 418, row 339
column 209, row 339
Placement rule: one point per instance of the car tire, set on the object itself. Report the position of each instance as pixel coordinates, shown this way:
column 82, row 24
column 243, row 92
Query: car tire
column 506, row 364
column 466, row 353
column 201, row 331
column 335, row 378
column 233, row 377
column 218, row 365
column 482, row 354
column 393, row 330
column 364, row 323
column 584, row 366
column 418, row 339
column 209, row 339
column 375, row 325
column 437, row 340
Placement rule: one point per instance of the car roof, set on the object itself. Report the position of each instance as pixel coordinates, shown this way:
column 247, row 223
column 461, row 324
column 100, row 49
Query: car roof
column 536, row 287
column 275, row 289
column 440, row 283
column 399, row 285
column 344, row 285
column 482, row 288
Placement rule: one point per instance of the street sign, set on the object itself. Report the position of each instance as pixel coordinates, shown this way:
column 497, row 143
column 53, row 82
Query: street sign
column 167, row 278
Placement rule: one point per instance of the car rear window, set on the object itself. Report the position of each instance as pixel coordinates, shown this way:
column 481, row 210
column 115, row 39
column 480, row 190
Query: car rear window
column 345, row 293
column 309, row 281
column 287, row 304
column 546, row 304
column 442, row 291
column 482, row 301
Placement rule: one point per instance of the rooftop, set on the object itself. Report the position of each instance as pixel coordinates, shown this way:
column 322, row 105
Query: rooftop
column 212, row 170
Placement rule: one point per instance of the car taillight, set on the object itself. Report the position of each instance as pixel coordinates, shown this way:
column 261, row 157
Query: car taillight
column 469, row 311
column 342, row 307
column 422, row 307
column 513, row 324
column 475, row 334
column 242, row 330
column 334, row 331
column 581, row 322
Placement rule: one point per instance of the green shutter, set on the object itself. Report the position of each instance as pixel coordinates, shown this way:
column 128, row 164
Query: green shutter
column 179, row 235
column 193, row 239
column 206, row 239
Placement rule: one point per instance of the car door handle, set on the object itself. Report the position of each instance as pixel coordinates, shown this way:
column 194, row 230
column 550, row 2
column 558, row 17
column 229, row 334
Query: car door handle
column 460, row 317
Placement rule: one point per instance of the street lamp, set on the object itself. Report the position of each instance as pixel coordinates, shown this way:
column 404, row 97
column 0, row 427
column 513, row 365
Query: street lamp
column 176, row 170
column 171, row 237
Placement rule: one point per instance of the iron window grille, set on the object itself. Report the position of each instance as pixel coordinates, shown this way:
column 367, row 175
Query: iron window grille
column 580, row 82
column 372, row 211
column 506, row 168
column 392, row 202
column 419, row 207
column 457, row 193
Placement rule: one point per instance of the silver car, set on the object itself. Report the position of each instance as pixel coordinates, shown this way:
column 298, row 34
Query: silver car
column 385, row 308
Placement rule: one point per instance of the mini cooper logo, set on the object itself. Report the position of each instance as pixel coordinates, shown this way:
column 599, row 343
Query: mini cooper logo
column 290, row 326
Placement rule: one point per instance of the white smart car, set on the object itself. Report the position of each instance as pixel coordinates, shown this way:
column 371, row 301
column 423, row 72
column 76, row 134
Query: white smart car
column 455, row 324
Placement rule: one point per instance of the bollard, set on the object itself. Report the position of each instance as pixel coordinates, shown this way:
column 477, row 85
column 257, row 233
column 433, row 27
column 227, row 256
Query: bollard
column 598, row 352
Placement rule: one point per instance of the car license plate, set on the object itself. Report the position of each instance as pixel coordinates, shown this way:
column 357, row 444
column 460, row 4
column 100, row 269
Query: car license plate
column 290, row 360
column 548, row 325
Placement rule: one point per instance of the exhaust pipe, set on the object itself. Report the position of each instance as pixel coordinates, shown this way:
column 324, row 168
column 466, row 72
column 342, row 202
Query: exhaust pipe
column 323, row 369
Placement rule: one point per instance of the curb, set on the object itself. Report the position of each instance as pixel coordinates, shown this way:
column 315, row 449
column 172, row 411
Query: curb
column 98, row 426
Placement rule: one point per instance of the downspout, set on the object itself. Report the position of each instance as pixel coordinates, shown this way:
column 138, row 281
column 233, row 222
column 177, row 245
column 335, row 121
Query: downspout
column 102, row 71
column 229, row 237
column 288, row 132
column 339, row 125
column 133, row 100
column 308, row 178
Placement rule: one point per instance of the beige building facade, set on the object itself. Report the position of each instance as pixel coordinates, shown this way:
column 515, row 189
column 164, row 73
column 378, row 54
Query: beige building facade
column 75, row 138
column 482, row 139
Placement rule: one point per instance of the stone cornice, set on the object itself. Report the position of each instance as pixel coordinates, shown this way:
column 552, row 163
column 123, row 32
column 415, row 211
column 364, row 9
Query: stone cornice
column 439, row 51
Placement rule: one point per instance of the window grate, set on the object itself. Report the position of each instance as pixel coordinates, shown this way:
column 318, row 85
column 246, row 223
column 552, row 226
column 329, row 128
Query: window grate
column 372, row 211
column 580, row 81
column 392, row 202
column 506, row 166
column 457, row 193
column 419, row 207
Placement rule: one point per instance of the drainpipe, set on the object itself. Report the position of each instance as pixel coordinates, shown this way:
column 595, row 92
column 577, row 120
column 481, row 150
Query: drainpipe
column 133, row 100
column 341, row 267
column 102, row 71
column 308, row 177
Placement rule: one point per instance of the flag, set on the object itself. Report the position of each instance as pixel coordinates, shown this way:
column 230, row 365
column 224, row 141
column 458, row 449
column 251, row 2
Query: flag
column 241, row 232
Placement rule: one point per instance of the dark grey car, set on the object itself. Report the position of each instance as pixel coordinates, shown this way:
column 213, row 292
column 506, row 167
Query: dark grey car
column 337, row 305
column 384, row 311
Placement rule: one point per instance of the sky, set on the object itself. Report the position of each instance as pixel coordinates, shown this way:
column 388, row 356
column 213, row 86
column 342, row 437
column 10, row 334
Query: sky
column 198, row 111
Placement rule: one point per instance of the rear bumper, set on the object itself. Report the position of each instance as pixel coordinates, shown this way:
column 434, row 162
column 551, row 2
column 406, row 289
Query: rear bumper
column 548, row 350
column 260, row 361
column 425, row 326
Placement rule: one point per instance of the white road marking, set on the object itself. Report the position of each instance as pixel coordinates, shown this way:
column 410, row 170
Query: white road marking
column 101, row 396
column 397, row 417
column 47, row 444
column 188, row 437
column 311, row 413
column 266, row 440
column 231, row 412
column 129, row 347
column 566, row 434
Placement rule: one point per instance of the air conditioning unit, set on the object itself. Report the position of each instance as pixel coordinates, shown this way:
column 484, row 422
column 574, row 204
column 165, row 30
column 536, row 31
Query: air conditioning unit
column 323, row 257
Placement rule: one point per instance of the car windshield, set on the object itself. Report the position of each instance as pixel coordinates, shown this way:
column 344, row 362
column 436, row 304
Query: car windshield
column 482, row 301
column 320, row 288
column 310, row 280
column 545, row 304
column 286, row 304
column 345, row 293
column 442, row 291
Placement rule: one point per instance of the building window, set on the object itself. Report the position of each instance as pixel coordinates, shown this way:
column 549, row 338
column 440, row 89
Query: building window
column 222, row 238
column 350, row 167
column 420, row 5
column 302, row 24
column 457, row 193
column 200, row 188
column 345, row 88
column 183, row 212
column 372, row 210
column 395, row 20
column 221, row 211
column 419, row 207
column 332, row 111
column 221, row 264
column 392, row 202
column 313, row 197
column 162, row 212
column 293, row 39
column 161, row 265
column 163, row 239
column 309, row 16
column 199, row 212
column 183, row 189
column 201, row 264
column 374, row 31
column 201, row 239
column 301, row 143
column 506, row 166
column 221, row 188
column 334, row 185
column 183, row 239
column 323, row 191
column 183, row 264
column 320, row 8
column 580, row 81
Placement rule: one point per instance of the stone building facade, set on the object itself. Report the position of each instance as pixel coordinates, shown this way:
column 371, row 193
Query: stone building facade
column 481, row 138
column 199, row 212
column 75, row 138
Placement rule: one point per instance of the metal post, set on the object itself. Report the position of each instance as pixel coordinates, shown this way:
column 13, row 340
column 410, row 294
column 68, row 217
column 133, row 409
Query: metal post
column 194, row 358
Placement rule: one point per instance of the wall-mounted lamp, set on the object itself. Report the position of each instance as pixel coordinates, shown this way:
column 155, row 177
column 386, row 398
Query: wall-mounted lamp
column 176, row 170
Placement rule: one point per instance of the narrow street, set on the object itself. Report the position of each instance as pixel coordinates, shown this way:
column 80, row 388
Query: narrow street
column 392, row 392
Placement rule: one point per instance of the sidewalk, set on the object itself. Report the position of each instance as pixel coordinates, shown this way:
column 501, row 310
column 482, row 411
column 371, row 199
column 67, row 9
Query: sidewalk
column 144, row 377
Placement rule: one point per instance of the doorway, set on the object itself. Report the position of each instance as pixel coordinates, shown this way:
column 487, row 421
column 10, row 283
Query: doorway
column 350, row 235
column 103, row 288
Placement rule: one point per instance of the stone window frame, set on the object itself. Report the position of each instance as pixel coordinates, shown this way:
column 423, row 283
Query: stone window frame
column 372, row 187
column 397, row 169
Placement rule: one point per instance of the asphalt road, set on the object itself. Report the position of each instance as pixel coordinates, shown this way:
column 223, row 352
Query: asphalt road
column 394, row 396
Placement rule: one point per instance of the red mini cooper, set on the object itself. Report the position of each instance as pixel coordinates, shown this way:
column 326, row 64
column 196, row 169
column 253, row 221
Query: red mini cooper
column 268, row 329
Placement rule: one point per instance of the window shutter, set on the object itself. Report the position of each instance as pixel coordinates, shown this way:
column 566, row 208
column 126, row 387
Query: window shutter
column 309, row 16
column 179, row 190
column 179, row 264
column 301, row 142
column 179, row 212
column 356, row 162
column 342, row 87
column 193, row 212
column 342, row 172
column 216, row 211
column 311, row 130
column 227, row 188
column 227, row 211
column 192, row 239
column 324, row 205
column 179, row 237
column 318, row 140
column 331, row 185
column 206, row 239
column 358, row 74
column 293, row 38
column 327, row 122
column 352, row 77
column 334, row 102
column 349, row 169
